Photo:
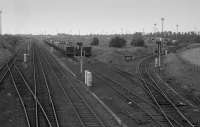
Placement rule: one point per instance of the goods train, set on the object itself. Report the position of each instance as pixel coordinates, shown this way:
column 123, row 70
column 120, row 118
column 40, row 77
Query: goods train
column 70, row 50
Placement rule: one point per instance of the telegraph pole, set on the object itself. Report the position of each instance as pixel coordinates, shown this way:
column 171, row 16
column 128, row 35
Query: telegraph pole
column 0, row 23
column 81, row 61
column 159, row 52
column 177, row 31
column 81, row 48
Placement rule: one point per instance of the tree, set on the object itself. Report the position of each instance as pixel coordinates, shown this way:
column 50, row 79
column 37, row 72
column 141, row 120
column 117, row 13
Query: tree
column 117, row 42
column 95, row 41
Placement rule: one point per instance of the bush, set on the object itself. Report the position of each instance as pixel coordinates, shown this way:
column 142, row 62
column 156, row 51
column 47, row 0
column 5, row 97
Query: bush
column 139, row 41
column 95, row 41
column 117, row 42
column 10, row 42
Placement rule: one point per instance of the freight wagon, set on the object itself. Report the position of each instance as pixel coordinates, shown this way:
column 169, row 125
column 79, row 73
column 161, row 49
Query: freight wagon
column 70, row 50
column 87, row 51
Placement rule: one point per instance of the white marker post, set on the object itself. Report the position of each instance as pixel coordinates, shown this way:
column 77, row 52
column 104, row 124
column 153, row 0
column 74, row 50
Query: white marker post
column 88, row 78
column 156, row 62
column 25, row 57
column 166, row 52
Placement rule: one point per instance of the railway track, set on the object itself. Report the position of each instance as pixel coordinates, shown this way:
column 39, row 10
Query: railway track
column 172, row 114
column 25, row 105
column 34, row 86
column 168, row 108
column 4, row 71
column 129, row 96
column 26, row 96
column 34, row 99
column 133, row 100
column 43, row 94
column 174, row 94
column 85, row 114
column 177, row 98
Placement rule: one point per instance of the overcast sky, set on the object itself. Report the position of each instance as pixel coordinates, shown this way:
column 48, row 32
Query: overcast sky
column 97, row 16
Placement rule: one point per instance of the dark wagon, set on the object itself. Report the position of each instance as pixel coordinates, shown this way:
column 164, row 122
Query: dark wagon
column 87, row 51
column 70, row 51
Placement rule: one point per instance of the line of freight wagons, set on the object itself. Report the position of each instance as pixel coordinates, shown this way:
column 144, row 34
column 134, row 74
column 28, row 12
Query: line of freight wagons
column 70, row 50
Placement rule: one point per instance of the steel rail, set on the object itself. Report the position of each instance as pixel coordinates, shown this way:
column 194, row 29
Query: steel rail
column 124, row 73
column 148, row 85
column 64, row 92
column 175, row 92
column 152, row 96
column 76, row 93
column 49, row 94
column 20, row 97
column 129, row 97
column 35, row 85
column 34, row 96
column 42, row 93
column 5, row 66
column 169, row 100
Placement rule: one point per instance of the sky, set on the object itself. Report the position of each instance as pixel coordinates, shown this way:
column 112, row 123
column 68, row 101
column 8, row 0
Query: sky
column 97, row 16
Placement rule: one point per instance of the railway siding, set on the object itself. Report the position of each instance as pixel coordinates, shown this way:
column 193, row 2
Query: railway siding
column 138, row 120
column 167, row 105
column 86, row 95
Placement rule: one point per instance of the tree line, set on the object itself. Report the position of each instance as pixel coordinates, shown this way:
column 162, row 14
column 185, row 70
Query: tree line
column 120, row 41
column 138, row 39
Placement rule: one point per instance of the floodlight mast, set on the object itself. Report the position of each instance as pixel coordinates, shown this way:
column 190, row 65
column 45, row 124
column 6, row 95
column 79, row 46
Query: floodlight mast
column 160, row 43
column 162, row 22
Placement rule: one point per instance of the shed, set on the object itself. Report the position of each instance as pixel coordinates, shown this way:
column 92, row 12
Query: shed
column 128, row 58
